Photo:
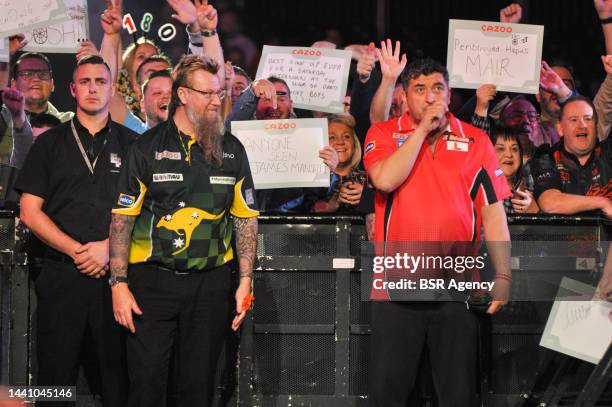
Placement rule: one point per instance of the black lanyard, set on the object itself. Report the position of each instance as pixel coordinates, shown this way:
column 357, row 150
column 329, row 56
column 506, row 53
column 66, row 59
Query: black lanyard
column 90, row 165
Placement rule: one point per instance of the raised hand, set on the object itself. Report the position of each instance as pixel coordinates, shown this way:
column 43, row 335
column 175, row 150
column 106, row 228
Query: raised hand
column 366, row 63
column 184, row 11
column 110, row 20
column 551, row 82
column 390, row 63
column 86, row 48
column 207, row 15
column 16, row 42
column 603, row 8
column 511, row 14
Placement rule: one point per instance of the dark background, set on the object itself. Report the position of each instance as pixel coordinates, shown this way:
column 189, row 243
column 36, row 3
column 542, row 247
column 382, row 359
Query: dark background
column 571, row 32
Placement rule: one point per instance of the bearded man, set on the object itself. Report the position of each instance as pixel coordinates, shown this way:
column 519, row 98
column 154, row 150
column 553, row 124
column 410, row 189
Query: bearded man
column 181, row 183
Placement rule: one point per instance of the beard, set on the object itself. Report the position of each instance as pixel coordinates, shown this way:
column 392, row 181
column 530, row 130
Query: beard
column 209, row 135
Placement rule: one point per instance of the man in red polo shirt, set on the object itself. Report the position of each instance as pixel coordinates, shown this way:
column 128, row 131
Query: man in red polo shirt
column 437, row 180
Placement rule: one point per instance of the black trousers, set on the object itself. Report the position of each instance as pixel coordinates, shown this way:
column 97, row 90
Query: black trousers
column 400, row 331
column 71, row 305
column 194, row 310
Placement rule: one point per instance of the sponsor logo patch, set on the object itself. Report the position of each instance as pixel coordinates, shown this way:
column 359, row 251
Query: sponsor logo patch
column 498, row 172
column 228, row 155
column 170, row 155
column 400, row 142
column 126, row 200
column 249, row 196
column 371, row 146
column 115, row 159
column 457, row 146
column 223, row 180
column 400, row 135
column 167, row 177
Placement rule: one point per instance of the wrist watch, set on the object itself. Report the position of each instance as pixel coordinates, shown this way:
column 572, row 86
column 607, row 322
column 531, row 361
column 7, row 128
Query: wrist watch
column 114, row 280
column 209, row 33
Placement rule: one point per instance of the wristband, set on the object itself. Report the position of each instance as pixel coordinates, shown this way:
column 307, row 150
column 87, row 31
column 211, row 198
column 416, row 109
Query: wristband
column 194, row 38
column 209, row 33
column 247, row 302
column 605, row 21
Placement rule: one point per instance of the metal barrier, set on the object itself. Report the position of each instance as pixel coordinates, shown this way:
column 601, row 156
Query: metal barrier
column 306, row 343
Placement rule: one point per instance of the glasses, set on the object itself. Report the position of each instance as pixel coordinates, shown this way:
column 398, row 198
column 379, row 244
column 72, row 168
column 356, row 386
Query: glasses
column 516, row 117
column 208, row 94
column 42, row 75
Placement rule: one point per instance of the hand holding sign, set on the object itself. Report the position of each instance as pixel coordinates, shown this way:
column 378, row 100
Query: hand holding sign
column 484, row 96
column 511, row 14
column 207, row 15
column 366, row 63
column 263, row 88
column 16, row 42
column 110, row 20
column 87, row 48
column 329, row 157
column 606, row 60
column 390, row 63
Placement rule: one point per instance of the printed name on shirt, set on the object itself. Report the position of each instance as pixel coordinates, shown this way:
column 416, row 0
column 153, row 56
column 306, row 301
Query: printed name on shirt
column 126, row 200
column 400, row 135
column 170, row 155
column 249, row 196
column 167, row 177
column 371, row 146
column 498, row 172
column 228, row 155
column 115, row 159
column 223, row 180
column 454, row 137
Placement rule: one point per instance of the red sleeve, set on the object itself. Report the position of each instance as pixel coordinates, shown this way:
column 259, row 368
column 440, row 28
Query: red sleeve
column 498, row 189
column 378, row 145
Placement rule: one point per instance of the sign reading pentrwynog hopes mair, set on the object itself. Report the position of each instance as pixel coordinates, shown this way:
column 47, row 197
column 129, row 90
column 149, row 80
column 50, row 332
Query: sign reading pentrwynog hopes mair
column 317, row 77
column 284, row 153
column 506, row 55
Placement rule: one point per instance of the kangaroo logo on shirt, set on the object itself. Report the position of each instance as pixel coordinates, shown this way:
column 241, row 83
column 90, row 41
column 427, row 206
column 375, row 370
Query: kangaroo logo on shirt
column 183, row 222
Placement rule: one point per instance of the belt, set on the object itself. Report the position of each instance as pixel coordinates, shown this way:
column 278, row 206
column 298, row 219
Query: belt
column 177, row 272
column 59, row 257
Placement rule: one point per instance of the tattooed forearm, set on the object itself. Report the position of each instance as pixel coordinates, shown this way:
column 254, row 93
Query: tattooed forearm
column 246, row 244
column 119, row 244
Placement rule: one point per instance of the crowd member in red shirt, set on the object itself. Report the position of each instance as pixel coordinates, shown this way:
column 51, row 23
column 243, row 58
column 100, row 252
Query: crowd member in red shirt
column 437, row 180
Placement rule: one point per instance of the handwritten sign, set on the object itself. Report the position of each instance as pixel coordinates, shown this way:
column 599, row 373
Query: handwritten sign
column 506, row 55
column 317, row 77
column 582, row 329
column 63, row 37
column 4, row 49
column 285, row 153
column 19, row 15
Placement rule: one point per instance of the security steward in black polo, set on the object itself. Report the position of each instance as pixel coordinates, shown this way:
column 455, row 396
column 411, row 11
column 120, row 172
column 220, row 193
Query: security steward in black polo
column 68, row 186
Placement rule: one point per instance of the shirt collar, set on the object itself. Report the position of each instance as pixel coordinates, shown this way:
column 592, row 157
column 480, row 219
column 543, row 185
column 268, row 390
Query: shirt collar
column 80, row 128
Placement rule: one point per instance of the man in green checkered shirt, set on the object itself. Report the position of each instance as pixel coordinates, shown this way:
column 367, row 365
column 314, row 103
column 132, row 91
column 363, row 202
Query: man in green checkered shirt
column 184, row 189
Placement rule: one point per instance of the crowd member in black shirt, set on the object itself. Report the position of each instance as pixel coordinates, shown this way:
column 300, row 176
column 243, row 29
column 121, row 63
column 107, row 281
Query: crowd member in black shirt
column 68, row 186
column 574, row 175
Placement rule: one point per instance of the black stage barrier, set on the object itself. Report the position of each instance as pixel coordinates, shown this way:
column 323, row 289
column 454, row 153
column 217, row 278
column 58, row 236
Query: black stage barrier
column 306, row 343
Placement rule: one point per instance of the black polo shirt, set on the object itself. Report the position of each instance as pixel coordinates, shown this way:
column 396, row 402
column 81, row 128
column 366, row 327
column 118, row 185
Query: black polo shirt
column 76, row 200
column 182, row 203
column 555, row 168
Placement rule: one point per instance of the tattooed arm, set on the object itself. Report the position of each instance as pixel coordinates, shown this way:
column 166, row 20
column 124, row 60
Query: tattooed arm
column 246, row 245
column 123, row 300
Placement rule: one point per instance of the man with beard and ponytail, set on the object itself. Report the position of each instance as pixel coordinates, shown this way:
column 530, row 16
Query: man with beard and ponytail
column 185, row 187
